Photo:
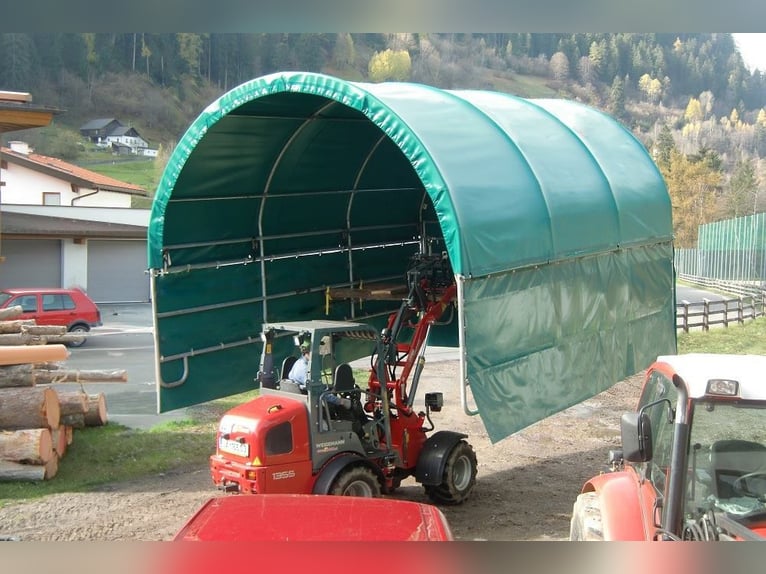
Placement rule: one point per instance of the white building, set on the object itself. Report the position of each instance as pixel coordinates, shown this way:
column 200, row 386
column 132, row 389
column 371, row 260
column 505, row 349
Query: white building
column 63, row 226
column 128, row 137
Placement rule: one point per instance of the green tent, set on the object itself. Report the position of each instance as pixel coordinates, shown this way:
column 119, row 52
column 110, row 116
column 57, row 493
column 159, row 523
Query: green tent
column 555, row 221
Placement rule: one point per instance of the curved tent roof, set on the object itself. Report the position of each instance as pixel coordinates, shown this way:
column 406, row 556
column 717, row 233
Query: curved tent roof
column 296, row 182
column 513, row 181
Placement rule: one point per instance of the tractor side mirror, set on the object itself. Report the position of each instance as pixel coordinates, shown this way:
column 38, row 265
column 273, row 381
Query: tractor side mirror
column 636, row 432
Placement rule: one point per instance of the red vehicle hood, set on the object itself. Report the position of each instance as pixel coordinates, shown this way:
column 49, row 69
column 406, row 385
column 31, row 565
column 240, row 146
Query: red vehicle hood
column 309, row 517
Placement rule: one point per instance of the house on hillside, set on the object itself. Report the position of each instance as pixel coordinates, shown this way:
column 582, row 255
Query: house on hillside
column 98, row 130
column 129, row 137
column 110, row 132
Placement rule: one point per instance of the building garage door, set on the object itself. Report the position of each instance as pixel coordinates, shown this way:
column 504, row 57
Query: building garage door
column 117, row 271
column 31, row 263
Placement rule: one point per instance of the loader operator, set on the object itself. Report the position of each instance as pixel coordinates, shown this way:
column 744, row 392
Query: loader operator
column 299, row 374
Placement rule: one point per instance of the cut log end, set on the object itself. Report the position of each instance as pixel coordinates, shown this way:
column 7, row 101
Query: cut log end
column 96, row 414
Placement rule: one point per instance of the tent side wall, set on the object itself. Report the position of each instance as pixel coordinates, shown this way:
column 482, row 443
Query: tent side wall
column 547, row 337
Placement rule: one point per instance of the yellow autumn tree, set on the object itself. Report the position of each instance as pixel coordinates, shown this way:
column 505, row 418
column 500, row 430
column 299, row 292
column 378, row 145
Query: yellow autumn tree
column 734, row 119
column 692, row 188
column 390, row 65
column 693, row 111
column 651, row 87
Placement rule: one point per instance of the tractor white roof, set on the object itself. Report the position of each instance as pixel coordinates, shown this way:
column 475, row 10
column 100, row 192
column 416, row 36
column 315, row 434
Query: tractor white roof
column 696, row 369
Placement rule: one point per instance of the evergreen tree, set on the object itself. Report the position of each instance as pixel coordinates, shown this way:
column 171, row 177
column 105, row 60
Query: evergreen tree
column 665, row 146
column 742, row 195
column 616, row 104
column 16, row 58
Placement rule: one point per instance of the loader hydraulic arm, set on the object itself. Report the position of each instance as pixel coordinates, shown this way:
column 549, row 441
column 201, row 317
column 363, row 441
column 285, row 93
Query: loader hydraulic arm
column 426, row 303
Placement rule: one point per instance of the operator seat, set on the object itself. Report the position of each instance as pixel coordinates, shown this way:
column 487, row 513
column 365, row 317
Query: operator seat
column 287, row 364
column 286, row 384
column 733, row 458
column 343, row 380
column 345, row 386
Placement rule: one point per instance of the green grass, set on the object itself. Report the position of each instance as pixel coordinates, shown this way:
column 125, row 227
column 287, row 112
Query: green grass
column 141, row 172
column 100, row 455
column 521, row 85
column 749, row 338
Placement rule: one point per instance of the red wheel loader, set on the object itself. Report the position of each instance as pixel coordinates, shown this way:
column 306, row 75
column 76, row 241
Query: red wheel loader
column 295, row 439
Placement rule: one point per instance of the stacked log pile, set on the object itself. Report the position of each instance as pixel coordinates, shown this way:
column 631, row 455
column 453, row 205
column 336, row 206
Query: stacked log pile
column 36, row 420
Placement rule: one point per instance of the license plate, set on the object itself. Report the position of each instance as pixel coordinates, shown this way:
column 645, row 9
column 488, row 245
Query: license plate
column 234, row 447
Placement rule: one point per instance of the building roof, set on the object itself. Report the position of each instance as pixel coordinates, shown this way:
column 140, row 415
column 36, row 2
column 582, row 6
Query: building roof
column 18, row 113
column 99, row 123
column 24, row 224
column 63, row 170
column 121, row 130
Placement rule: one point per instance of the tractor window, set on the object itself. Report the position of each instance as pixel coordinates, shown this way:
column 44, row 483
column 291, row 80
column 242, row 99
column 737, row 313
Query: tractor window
column 659, row 387
column 279, row 440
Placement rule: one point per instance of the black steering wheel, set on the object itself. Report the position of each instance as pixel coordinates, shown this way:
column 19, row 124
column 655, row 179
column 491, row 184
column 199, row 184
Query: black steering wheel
column 741, row 485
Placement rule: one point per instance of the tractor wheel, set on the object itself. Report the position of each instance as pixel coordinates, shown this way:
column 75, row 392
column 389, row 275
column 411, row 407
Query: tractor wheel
column 459, row 476
column 586, row 518
column 356, row 481
column 78, row 330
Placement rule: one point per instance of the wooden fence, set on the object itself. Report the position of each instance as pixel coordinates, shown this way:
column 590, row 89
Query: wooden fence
column 707, row 313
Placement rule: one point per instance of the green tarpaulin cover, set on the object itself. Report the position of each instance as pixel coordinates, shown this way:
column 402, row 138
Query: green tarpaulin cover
column 555, row 221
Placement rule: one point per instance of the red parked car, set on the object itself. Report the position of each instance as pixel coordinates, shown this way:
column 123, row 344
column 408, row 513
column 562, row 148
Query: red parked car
column 71, row 308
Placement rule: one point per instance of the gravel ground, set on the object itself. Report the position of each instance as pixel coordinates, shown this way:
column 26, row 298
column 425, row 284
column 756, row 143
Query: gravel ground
column 525, row 488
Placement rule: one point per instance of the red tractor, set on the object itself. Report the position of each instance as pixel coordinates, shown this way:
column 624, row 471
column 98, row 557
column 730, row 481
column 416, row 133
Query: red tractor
column 297, row 439
column 693, row 458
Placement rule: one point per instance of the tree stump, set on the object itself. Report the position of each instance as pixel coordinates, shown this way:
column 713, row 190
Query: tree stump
column 96, row 414
column 10, row 470
column 72, row 402
column 60, row 439
column 76, row 420
column 17, row 376
column 14, row 326
column 11, row 312
column 31, row 446
column 28, row 408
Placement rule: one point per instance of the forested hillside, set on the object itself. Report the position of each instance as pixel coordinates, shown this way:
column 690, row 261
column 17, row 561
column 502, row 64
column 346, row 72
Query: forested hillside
column 688, row 97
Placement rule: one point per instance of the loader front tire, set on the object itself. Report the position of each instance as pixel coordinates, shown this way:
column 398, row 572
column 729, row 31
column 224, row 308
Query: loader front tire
column 459, row 476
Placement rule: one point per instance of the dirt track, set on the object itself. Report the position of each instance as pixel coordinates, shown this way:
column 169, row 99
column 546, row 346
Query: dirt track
column 525, row 487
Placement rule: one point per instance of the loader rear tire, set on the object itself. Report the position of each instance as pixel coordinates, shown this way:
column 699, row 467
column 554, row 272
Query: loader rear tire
column 356, row 481
column 586, row 519
column 459, row 476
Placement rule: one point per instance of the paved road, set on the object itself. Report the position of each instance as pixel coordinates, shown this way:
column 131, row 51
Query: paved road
column 126, row 341
column 693, row 294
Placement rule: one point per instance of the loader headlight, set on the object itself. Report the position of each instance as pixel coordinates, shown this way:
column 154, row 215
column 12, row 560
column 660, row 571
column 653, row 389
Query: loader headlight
column 434, row 401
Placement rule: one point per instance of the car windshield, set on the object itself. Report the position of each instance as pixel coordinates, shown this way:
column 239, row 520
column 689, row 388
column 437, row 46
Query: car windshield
column 4, row 297
column 727, row 456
